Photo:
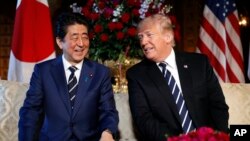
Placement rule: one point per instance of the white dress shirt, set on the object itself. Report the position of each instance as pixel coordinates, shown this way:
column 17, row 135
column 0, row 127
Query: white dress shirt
column 172, row 67
column 66, row 65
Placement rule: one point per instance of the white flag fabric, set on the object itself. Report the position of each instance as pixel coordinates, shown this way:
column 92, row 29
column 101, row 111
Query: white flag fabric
column 32, row 40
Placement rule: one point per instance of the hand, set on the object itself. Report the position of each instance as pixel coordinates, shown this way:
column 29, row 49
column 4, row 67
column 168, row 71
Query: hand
column 106, row 136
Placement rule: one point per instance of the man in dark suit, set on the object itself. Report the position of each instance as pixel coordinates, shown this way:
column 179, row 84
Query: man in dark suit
column 51, row 111
column 155, row 110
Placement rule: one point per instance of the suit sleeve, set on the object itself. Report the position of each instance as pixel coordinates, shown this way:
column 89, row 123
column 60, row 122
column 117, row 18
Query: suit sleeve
column 31, row 113
column 108, row 113
column 149, row 127
column 218, row 106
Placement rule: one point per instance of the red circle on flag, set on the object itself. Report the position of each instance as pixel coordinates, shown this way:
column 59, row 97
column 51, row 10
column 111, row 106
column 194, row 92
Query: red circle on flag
column 32, row 38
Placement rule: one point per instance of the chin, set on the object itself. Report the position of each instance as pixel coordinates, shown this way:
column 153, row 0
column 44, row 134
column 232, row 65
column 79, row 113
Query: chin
column 150, row 56
column 78, row 59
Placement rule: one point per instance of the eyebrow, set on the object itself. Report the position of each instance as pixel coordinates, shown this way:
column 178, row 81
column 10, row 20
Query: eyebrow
column 78, row 34
column 146, row 32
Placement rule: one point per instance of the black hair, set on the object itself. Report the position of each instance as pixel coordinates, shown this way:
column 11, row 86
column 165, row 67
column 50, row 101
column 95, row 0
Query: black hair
column 66, row 19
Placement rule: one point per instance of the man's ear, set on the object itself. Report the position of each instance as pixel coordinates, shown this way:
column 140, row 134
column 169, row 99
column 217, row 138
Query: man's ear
column 168, row 37
column 59, row 42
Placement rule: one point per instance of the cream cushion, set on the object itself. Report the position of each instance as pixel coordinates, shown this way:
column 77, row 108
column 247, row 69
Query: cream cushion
column 238, row 99
column 12, row 95
column 11, row 98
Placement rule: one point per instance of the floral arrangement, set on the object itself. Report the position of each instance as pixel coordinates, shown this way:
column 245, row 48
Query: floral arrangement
column 201, row 134
column 113, row 35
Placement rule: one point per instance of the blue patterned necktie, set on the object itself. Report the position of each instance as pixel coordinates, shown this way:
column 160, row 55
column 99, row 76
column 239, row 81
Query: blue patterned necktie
column 186, row 120
column 72, row 85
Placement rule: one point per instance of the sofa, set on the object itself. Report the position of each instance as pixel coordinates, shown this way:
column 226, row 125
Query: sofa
column 12, row 95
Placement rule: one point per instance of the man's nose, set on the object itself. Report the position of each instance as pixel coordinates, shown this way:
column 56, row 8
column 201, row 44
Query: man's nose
column 80, row 42
column 144, row 41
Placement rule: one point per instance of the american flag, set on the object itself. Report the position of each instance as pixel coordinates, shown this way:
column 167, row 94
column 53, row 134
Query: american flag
column 220, row 40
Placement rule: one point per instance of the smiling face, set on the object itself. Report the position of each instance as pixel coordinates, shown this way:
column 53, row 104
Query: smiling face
column 156, row 37
column 75, row 44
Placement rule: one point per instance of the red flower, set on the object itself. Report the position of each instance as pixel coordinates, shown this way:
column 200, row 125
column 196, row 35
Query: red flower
column 131, row 31
column 116, row 3
column 108, row 13
column 94, row 16
column 205, row 132
column 223, row 136
column 125, row 17
column 201, row 134
column 89, row 3
column 104, row 37
column 98, row 28
column 101, row 5
column 131, row 2
column 111, row 26
column 148, row 14
column 120, row 35
column 136, row 12
column 86, row 12
column 114, row 26
column 118, row 25
column 91, row 35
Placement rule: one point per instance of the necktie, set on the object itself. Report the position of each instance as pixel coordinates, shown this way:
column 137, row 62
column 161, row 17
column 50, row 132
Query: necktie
column 72, row 85
column 186, row 120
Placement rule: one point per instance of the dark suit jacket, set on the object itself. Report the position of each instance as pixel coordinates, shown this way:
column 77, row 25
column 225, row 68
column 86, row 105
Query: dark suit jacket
column 47, row 102
column 152, row 105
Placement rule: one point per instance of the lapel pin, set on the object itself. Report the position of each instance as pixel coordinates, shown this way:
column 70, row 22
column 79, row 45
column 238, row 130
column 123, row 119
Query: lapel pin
column 87, row 78
column 185, row 66
column 91, row 74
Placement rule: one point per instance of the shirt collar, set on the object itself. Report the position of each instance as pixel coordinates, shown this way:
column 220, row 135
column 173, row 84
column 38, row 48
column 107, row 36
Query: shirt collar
column 67, row 64
column 170, row 60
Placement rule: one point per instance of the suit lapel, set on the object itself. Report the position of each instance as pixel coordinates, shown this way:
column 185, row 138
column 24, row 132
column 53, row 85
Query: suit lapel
column 58, row 74
column 156, row 75
column 84, row 82
column 186, row 83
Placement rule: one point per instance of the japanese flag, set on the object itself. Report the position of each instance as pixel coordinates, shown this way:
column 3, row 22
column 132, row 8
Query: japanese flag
column 32, row 40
